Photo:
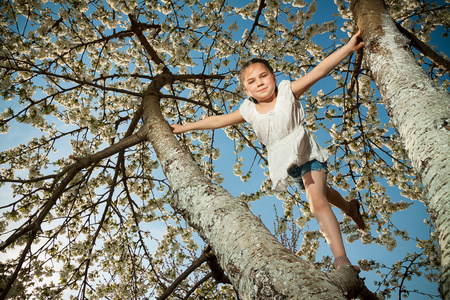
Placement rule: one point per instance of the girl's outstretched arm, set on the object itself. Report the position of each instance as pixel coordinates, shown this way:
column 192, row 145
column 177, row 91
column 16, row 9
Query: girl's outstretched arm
column 302, row 84
column 212, row 122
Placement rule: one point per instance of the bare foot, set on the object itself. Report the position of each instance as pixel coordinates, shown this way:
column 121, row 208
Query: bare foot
column 343, row 261
column 356, row 215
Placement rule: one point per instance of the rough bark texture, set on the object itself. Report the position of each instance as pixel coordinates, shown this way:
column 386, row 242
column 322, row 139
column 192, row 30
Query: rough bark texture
column 256, row 263
column 419, row 109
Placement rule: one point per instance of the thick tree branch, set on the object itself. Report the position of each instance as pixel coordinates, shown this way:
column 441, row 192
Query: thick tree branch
column 217, row 272
column 344, row 278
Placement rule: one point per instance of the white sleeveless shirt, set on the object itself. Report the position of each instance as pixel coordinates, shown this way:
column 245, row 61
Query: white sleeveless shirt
column 281, row 130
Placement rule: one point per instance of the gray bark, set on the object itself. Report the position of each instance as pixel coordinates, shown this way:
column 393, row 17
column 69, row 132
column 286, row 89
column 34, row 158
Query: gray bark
column 258, row 266
column 419, row 109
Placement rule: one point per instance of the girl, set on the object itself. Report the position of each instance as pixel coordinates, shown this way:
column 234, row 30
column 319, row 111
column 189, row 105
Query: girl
column 277, row 117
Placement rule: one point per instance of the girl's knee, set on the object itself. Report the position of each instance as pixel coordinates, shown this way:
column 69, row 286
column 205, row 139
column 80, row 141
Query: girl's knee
column 317, row 203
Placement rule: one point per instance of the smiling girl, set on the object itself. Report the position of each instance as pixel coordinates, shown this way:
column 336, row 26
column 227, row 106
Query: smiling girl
column 277, row 116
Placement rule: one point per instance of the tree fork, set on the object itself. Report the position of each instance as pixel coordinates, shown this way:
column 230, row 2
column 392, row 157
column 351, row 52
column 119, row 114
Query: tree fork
column 419, row 109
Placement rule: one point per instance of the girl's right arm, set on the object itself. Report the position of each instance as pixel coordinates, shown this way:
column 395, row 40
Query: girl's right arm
column 212, row 122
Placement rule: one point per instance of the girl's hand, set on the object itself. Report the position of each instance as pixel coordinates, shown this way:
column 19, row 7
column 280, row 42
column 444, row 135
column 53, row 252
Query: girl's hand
column 356, row 41
column 177, row 128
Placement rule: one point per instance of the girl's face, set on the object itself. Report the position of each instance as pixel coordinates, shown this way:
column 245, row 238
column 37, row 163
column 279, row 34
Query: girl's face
column 259, row 82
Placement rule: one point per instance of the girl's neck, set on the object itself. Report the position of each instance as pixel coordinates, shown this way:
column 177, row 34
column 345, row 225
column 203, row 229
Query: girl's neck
column 263, row 107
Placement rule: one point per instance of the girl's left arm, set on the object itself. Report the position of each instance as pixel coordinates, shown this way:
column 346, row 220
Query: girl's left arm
column 302, row 84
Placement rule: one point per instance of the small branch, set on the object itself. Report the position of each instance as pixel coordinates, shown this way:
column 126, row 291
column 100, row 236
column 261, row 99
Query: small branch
column 258, row 14
column 425, row 49
column 137, row 27
column 84, row 284
column 197, row 263
column 25, row 181
column 216, row 272
column 202, row 77
column 204, row 279
column 356, row 70
column 68, row 78
column 13, row 277
column 405, row 275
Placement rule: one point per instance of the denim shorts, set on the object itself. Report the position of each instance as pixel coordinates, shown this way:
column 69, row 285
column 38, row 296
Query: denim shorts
column 296, row 172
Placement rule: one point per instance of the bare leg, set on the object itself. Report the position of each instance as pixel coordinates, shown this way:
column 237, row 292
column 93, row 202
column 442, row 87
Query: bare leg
column 315, row 184
column 335, row 198
column 349, row 208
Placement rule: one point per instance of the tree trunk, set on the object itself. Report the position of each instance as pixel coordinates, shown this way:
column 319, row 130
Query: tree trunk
column 256, row 263
column 419, row 109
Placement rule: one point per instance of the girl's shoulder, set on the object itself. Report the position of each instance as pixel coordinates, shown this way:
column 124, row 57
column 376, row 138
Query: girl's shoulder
column 285, row 92
column 247, row 109
column 284, row 84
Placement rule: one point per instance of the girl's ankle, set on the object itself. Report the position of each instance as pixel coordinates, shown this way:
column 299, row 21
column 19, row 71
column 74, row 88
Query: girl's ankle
column 341, row 261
